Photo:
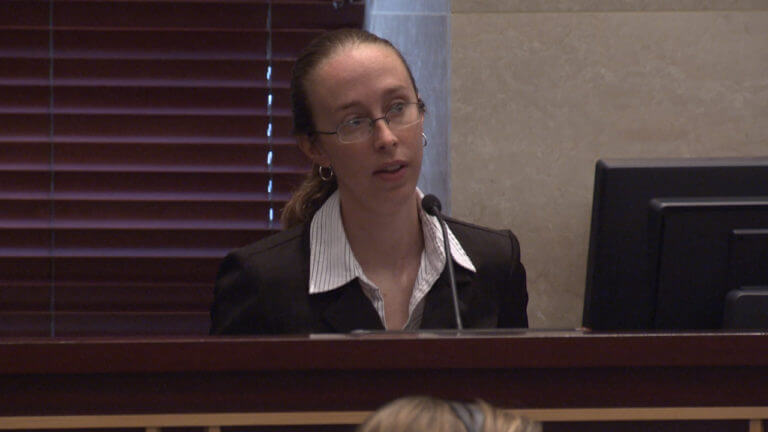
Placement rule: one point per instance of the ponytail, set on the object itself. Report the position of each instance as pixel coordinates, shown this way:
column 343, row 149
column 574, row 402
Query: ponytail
column 307, row 199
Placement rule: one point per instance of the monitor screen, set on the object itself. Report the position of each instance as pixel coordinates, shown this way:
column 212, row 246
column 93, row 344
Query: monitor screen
column 619, row 295
column 690, row 245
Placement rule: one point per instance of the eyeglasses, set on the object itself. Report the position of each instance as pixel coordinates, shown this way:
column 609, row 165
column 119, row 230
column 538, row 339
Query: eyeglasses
column 400, row 115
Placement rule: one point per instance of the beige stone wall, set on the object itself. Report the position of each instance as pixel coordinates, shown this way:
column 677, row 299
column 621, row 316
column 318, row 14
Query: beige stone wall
column 540, row 89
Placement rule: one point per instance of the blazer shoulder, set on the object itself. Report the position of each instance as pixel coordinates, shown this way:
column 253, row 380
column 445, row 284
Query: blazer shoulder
column 465, row 229
column 485, row 244
column 496, row 255
column 260, row 287
column 288, row 239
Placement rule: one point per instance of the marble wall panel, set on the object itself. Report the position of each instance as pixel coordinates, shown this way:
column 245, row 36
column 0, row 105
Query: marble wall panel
column 537, row 98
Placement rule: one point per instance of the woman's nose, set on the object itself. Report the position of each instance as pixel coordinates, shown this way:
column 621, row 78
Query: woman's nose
column 383, row 135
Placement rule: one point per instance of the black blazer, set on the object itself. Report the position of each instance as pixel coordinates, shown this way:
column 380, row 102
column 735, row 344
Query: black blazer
column 263, row 288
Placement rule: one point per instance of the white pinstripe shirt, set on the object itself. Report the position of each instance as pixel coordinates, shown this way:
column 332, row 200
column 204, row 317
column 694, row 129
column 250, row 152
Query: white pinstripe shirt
column 332, row 263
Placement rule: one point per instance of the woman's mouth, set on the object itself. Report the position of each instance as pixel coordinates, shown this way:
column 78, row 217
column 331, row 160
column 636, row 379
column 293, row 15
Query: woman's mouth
column 391, row 171
column 393, row 168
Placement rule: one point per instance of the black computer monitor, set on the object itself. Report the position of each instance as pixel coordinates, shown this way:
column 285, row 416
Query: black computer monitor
column 748, row 259
column 694, row 246
column 746, row 304
column 619, row 295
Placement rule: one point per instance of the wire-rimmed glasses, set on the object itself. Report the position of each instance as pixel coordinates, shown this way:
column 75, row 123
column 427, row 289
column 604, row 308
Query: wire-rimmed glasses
column 399, row 115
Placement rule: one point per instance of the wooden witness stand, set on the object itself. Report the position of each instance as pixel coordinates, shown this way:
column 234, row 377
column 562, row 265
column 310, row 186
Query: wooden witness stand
column 316, row 380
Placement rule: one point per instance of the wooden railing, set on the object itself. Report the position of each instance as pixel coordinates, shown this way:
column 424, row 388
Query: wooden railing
column 214, row 422
column 555, row 377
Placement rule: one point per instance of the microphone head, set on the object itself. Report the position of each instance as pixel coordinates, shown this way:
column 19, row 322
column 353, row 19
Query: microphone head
column 431, row 205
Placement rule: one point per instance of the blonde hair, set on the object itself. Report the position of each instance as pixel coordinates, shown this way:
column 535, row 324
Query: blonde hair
column 422, row 414
column 307, row 198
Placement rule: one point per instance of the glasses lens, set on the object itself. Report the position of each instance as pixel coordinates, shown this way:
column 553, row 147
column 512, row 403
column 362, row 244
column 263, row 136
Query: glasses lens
column 403, row 114
column 359, row 129
column 354, row 130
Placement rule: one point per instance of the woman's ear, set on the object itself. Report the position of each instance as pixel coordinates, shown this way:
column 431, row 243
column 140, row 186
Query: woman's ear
column 313, row 150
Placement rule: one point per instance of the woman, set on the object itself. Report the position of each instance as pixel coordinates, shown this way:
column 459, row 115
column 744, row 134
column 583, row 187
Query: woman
column 358, row 252
column 421, row 414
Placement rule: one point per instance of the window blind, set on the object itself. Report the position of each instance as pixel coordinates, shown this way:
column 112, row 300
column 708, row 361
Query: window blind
column 139, row 142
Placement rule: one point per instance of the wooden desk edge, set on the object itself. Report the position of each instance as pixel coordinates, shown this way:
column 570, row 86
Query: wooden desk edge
column 753, row 414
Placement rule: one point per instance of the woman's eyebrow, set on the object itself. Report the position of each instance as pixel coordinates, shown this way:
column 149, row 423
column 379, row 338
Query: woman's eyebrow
column 348, row 105
column 396, row 89
column 387, row 93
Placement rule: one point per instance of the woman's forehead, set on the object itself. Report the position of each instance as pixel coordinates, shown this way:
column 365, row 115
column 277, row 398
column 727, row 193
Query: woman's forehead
column 354, row 65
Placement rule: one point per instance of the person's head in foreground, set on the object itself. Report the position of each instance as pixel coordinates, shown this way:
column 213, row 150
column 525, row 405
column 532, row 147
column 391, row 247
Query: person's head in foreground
column 426, row 414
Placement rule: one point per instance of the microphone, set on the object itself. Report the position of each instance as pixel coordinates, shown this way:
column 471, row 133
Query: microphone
column 431, row 205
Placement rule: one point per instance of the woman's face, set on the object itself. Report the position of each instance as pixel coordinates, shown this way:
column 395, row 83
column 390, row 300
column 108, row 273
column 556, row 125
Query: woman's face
column 365, row 81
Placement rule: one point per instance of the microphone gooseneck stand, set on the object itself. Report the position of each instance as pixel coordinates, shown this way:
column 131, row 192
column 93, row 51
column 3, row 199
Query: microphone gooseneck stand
column 431, row 205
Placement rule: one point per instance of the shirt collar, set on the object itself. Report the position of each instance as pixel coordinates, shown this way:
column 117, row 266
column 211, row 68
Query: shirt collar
column 332, row 263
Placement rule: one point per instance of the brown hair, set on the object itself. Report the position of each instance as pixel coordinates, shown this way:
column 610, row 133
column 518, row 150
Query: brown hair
column 313, row 192
column 421, row 413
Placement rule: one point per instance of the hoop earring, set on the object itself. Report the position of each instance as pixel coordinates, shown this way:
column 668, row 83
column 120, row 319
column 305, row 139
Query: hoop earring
column 424, row 139
column 327, row 175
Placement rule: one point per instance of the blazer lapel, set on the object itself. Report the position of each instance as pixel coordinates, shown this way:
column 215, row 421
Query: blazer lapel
column 352, row 310
column 438, row 306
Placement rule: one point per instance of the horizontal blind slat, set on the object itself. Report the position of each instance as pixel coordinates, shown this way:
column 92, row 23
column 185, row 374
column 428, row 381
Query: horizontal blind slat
column 25, row 324
column 69, row 156
column 160, row 15
column 133, row 297
column 25, row 296
column 132, row 128
column 145, row 73
column 71, row 324
column 153, row 44
column 188, row 269
column 144, row 100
